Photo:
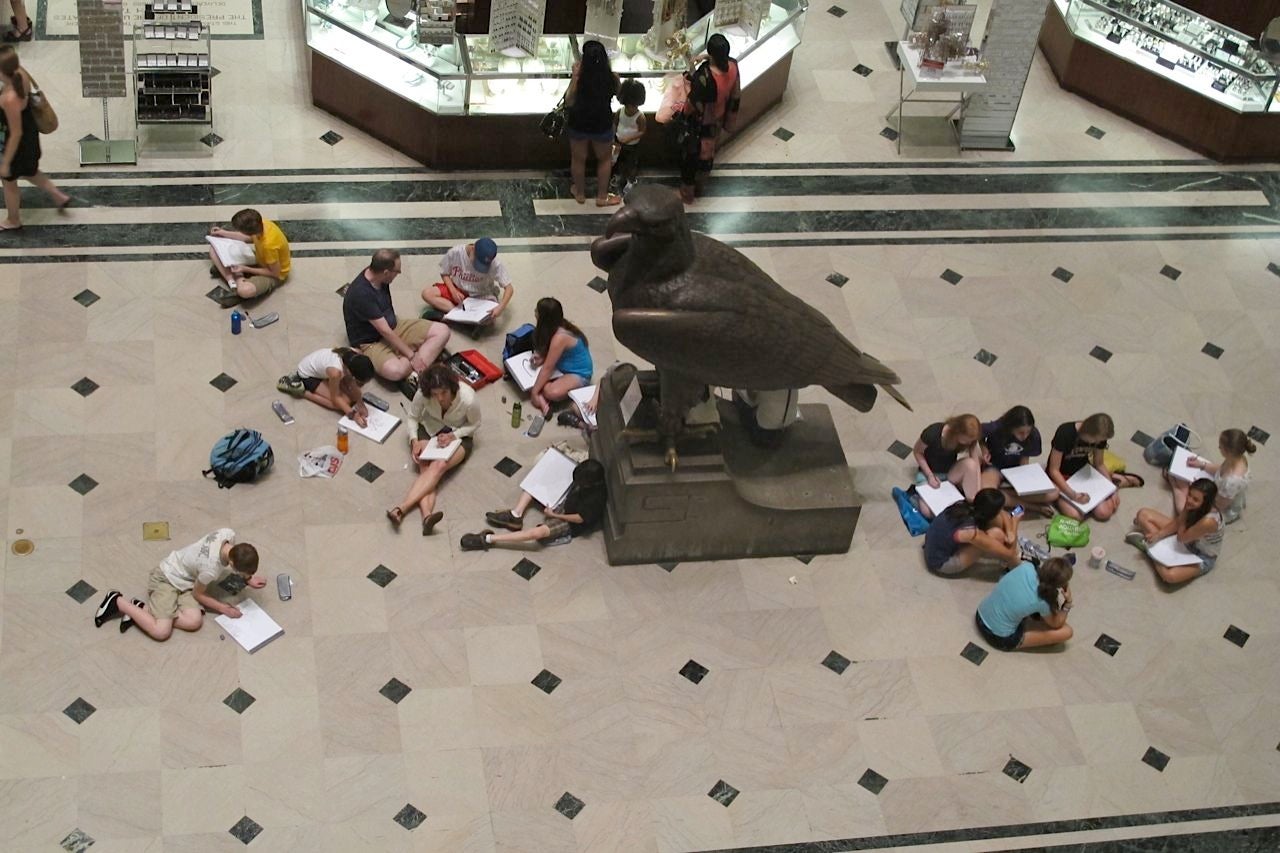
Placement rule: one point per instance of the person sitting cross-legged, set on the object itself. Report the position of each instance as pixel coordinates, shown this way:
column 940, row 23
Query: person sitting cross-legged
column 580, row 512
column 270, row 251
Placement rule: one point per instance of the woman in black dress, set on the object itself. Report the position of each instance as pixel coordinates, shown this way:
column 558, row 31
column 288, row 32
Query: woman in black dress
column 21, row 157
column 590, row 122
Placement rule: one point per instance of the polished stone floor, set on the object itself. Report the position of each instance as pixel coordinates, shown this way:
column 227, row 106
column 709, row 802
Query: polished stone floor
column 1095, row 269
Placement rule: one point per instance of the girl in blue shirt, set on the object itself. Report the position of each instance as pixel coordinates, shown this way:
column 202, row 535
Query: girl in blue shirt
column 1024, row 610
column 557, row 345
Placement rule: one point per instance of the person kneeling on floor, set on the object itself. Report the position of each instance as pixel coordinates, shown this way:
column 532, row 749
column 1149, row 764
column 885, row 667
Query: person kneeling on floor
column 581, row 511
column 1024, row 610
column 178, row 589
column 270, row 252
column 332, row 378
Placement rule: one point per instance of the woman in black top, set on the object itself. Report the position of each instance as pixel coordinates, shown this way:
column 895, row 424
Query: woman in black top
column 21, row 157
column 590, row 122
column 580, row 511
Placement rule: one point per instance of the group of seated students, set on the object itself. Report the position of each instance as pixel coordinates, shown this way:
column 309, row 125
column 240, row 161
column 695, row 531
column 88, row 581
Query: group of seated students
column 1029, row 604
column 442, row 409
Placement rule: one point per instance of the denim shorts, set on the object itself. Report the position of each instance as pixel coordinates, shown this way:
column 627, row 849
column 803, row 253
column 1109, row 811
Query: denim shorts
column 602, row 136
column 1004, row 644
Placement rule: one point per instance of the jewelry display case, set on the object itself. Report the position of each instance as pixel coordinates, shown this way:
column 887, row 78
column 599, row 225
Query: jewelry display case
column 433, row 101
column 1169, row 68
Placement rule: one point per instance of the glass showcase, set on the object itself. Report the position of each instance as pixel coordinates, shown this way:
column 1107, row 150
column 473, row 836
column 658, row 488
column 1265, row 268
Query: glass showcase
column 467, row 76
column 1180, row 45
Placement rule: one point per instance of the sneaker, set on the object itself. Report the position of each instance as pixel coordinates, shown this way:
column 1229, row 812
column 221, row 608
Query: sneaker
column 409, row 385
column 291, row 385
column 475, row 541
column 107, row 609
column 504, row 518
column 569, row 419
column 435, row 315
column 1030, row 549
column 1137, row 540
column 126, row 621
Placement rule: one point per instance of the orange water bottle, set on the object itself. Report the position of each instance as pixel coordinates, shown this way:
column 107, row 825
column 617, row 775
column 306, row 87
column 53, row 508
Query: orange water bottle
column 344, row 442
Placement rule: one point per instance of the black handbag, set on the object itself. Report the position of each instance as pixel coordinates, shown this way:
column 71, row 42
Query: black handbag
column 553, row 123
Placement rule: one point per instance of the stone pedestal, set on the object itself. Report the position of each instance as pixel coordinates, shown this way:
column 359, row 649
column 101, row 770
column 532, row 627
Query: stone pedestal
column 728, row 498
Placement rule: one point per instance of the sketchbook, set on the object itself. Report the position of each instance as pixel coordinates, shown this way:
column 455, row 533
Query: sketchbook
column 435, row 451
column 472, row 310
column 549, row 480
column 380, row 425
column 581, row 397
column 523, row 372
column 1170, row 552
column 1180, row 469
column 254, row 629
column 940, row 498
column 1029, row 479
column 1093, row 483
column 232, row 252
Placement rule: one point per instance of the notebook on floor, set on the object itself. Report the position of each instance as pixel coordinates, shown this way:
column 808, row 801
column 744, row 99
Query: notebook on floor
column 254, row 629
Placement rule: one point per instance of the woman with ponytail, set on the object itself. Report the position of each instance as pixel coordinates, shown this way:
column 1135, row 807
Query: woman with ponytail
column 1231, row 475
column 1028, row 607
column 965, row 533
column 21, row 157
column 1198, row 527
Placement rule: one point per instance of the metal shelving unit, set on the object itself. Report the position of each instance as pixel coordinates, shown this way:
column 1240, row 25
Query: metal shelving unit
column 172, row 73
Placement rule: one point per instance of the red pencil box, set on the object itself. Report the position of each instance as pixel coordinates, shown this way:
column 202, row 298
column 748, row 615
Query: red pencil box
column 473, row 368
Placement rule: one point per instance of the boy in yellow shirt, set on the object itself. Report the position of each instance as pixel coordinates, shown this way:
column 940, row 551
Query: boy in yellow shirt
column 270, row 251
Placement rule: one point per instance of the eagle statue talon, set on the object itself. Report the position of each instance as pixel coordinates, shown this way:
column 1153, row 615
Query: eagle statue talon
column 704, row 315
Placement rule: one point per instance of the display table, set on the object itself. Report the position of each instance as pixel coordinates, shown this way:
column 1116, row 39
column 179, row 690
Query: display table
column 951, row 80
column 467, row 105
column 1170, row 70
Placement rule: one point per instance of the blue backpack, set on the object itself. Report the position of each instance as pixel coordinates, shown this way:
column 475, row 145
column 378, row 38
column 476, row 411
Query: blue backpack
column 518, row 340
column 239, row 457
column 915, row 521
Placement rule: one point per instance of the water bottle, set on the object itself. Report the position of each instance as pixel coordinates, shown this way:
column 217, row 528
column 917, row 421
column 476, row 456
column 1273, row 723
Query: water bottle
column 343, row 442
column 235, row 322
column 517, row 415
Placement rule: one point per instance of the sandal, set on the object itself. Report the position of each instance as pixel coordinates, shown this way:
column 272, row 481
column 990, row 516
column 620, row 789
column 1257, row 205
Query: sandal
column 17, row 35
column 429, row 523
column 395, row 515
column 610, row 200
column 1122, row 483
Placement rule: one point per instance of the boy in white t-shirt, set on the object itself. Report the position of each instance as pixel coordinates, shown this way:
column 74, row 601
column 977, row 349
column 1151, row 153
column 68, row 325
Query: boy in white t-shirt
column 178, row 588
column 332, row 378
column 471, row 269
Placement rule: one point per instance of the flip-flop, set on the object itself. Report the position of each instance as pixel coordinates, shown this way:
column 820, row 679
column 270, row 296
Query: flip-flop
column 4, row 227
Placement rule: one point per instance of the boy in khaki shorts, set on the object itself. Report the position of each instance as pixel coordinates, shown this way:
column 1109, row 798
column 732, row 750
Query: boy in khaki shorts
column 178, row 588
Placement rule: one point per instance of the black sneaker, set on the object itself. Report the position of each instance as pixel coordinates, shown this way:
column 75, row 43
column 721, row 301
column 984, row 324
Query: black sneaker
column 475, row 541
column 107, row 609
column 126, row 621
column 435, row 315
column 214, row 272
column 506, row 518
column 409, row 385
column 569, row 419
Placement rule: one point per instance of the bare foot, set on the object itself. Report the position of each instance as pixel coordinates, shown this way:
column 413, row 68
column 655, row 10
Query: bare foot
column 608, row 201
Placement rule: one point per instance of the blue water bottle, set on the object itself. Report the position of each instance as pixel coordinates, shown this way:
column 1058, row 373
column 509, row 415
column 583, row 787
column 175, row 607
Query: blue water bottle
column 235, row 322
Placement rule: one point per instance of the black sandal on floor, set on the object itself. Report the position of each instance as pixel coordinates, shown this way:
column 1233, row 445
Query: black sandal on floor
column 1119, row 479
column 17, row 35
column 395, row 515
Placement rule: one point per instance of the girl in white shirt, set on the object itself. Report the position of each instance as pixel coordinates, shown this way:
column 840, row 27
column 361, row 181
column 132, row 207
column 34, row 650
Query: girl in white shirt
column 444, row 412
column 1231, row 475
column 332, row 378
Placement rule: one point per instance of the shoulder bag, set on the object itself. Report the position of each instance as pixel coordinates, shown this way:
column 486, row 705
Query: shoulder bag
column 41, row 109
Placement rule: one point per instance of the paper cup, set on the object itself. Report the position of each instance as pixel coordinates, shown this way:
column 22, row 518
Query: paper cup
column 1096, row 557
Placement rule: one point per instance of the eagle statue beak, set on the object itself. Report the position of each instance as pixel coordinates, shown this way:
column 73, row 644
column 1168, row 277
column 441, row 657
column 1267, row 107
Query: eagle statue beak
column 607, row 250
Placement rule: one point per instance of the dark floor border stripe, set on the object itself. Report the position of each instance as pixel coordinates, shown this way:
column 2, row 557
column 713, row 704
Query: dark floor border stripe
column 511, row 246
column 1262, row 839
column 983, row 833
column 423, row 170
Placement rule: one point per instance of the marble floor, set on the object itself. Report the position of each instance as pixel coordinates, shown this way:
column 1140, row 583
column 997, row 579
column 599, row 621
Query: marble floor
column 398, row 712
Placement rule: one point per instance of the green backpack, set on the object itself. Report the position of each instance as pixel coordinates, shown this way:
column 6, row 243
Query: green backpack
column 1067, row 532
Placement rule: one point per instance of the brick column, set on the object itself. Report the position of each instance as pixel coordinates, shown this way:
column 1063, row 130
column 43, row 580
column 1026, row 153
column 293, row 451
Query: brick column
column 102, row 57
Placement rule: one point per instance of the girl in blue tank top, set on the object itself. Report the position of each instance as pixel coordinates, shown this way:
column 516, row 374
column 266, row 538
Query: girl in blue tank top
column 557, row 345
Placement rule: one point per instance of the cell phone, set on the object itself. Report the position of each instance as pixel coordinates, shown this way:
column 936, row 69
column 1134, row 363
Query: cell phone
column 1182, row 434
column 1017, row 511
column 263, row 321
column 535, row 428
column 284, row 587
column 376, row 401
column 281, row 412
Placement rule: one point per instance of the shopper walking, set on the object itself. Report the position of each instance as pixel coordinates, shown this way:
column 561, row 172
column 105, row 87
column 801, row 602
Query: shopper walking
column 21, row 153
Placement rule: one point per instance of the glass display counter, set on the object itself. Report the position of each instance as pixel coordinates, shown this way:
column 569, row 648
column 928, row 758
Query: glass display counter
column 1169, row 68
column 467, row 77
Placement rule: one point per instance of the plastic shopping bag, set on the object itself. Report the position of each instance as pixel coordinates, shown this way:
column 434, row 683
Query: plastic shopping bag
column 320, row 462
